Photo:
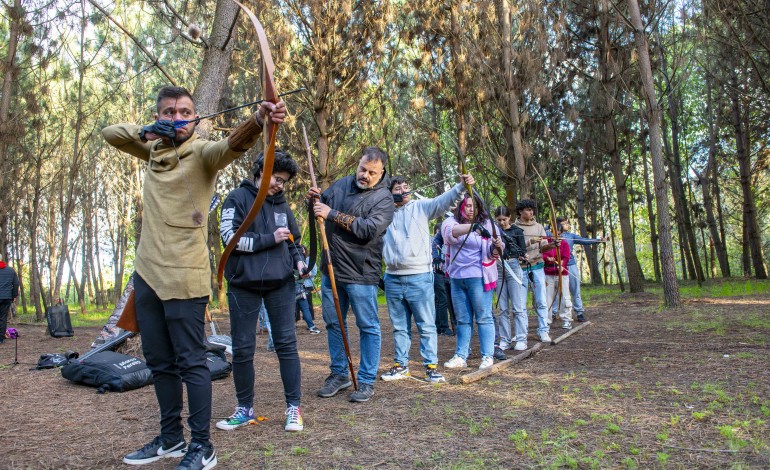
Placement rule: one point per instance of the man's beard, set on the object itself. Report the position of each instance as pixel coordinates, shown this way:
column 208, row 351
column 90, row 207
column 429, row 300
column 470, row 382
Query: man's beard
column 360, row 185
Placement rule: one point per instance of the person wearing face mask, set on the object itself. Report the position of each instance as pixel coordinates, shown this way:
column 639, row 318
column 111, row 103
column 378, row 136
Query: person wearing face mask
column 357, row 210
column 261, row 269
column 409, row 278
column 172, row 281
column 511, row 291
column 471, row 260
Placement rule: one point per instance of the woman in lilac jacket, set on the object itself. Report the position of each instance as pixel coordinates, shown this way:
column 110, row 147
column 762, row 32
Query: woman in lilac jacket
column 473, row 277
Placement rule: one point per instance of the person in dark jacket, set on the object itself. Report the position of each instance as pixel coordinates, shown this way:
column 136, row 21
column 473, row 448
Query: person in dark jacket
column 261, row 268
column 9, row 290
column 357, row 209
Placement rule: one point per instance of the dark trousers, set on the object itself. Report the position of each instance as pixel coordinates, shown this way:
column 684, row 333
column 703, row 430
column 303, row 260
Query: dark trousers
column 244, row 312
column 443, row 303
column 5, row 308
column 173, row 345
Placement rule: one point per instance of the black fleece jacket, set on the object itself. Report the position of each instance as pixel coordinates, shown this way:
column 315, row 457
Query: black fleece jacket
column 355, row 228
column 257, row 263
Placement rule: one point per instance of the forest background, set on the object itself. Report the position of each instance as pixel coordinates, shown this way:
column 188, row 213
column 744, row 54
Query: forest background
column 649, row 121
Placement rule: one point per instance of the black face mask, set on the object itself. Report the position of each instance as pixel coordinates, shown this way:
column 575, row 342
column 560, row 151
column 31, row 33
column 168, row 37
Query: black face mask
column 400, row 197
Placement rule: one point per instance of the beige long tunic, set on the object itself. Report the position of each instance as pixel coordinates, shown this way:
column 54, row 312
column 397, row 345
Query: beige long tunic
column 172, row 256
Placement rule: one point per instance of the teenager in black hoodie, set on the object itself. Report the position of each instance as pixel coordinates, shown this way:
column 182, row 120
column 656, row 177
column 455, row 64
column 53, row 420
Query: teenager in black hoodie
column 261, row 268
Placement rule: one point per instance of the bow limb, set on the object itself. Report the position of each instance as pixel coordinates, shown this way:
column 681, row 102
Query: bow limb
column 557, row 239
column 271, row 95
column 329, row 267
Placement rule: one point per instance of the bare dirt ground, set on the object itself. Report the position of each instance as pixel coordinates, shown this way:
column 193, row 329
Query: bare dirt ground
column 636, row 388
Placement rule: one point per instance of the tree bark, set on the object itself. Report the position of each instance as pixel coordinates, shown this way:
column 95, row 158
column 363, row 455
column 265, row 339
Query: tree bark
column 648, row 196
column 671, row 296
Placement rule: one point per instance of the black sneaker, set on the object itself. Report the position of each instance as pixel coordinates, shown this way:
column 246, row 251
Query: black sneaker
column 581, row 318
column 499, row 354
column 199, row 457
column 364, row 393
column 155, row 450
column 447, row 333
column 333, row 385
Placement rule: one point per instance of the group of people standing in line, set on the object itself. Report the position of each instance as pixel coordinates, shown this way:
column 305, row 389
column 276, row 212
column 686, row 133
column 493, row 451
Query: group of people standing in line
column 369, row 218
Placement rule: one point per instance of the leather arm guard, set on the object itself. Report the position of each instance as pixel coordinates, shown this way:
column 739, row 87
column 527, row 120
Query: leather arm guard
column 244, row 136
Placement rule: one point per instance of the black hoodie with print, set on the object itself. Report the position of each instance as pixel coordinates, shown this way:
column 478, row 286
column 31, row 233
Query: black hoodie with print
column 257, row 263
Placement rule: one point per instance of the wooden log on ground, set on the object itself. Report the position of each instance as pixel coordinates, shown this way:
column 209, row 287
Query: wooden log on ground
column 482, row 373
column 570, row 332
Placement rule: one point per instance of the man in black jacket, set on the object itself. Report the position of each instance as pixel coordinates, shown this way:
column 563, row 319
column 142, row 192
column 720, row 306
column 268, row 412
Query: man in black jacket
column 261, row 269
column 357, row 209
column 9, row 290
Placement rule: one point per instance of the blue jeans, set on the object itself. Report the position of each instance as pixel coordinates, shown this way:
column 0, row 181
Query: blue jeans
column 574, row 288
column 471, row 301
column 264, row 323
column 412, row 293
column 512, row 296
column 304, row 307
column 363, row 300
column 538, row 290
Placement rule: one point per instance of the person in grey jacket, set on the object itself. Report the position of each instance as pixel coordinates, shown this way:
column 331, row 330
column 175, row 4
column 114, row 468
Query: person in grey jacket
column 9, row 290
column 357, row 210
column 409, row 276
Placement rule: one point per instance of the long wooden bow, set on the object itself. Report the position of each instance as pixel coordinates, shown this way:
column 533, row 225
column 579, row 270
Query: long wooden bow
column 556, row 238
column 271, row 95
column 329, row 267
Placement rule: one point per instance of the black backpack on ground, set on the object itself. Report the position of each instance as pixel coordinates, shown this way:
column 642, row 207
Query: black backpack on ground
column 59, row 323
column 217, row 361
column 109, row 371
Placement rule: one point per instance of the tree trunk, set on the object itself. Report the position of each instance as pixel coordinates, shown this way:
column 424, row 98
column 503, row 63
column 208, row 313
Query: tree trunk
column 753, row 235
column 680, row 199
column 648, row 196
column 671, row 297
column 705, row 179
column 590, row 250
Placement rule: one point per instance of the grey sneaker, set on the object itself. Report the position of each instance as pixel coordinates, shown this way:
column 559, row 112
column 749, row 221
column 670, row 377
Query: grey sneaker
column 333, row 385
column 566, row 325
column 314, row 330
column 155, row 450
column 364, row 393
column 433, row 375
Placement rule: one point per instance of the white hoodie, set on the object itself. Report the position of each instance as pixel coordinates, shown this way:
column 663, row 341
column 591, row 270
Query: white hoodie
column 408, row 238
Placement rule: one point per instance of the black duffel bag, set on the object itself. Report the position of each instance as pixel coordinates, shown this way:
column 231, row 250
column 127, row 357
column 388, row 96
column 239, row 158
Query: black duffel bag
column 109, row 371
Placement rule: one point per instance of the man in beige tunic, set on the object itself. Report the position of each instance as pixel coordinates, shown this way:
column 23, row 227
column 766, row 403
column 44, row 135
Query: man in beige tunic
column 172, row 281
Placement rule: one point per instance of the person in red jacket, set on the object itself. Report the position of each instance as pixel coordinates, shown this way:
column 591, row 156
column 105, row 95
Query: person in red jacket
column 553, row 270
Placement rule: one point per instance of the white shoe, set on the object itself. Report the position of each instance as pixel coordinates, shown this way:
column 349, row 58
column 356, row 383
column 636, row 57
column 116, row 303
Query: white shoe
column 545, row 338
column 504, row 345
column 566, row 325
column 520, row 346
column 456, row 362
column 486, row 362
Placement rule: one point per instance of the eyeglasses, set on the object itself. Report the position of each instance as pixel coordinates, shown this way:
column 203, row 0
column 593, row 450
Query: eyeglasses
column 280, row 181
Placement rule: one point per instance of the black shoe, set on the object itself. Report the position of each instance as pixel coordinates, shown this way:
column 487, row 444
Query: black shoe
column 581, row 318
column 447, row 333
column 364, row 393
column 155, row 450
column 333, row 385
column 499, row 354
column 199, row 457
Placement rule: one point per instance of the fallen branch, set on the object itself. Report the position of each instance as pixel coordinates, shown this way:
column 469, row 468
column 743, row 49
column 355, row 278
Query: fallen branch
column 570, row 332
column 482, row 373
